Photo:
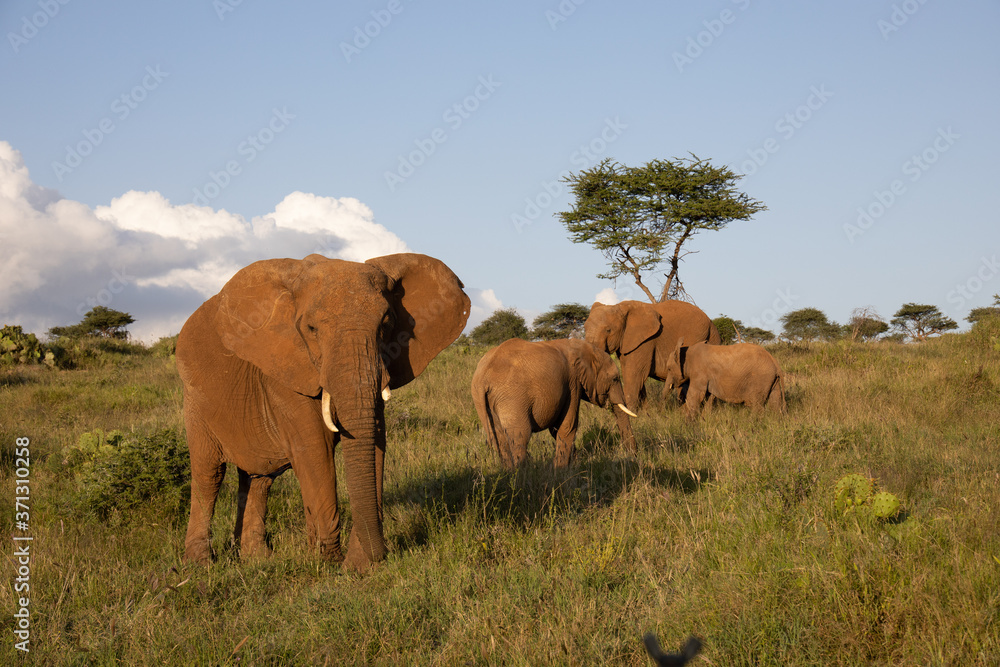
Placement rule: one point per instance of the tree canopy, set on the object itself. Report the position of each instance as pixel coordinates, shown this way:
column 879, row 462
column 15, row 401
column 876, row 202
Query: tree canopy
column 565, row 320
column 979, row 314
column 807, row 324
column 641, row 217
column 866, row 324
column 920, row 321
column 502, row 325
column 99, row 321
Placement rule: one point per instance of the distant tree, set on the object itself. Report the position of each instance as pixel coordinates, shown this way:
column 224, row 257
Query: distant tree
column 978, row 314
column 730, row 330
column 502, row 325
column 920, row 321
column 866, row 324
column 756, row 335
column 640, row 217
column 100, row 321
column 565, row 320
column 806, row 324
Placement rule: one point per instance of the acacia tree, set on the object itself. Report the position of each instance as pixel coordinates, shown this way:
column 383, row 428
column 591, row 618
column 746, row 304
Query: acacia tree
column 565, row 320
column 808, row 324
column 641, row 217
column 99, row 321
column 977, row 315
column 866, row 324
column 502, row 325
column 920, row 321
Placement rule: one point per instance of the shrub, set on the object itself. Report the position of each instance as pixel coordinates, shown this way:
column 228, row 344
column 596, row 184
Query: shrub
column 17, row 347
column 117, row 474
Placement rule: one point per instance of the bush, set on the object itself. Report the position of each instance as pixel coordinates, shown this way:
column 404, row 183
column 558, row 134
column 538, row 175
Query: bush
column 116, row 474
column 17, row 347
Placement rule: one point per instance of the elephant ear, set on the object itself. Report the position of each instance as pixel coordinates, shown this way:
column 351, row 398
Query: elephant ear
column 431, row 310
column 588, row 366
column 256, row 320
column 641, row 324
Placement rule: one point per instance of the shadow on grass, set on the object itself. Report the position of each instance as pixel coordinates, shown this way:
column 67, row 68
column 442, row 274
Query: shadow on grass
column 533, row 494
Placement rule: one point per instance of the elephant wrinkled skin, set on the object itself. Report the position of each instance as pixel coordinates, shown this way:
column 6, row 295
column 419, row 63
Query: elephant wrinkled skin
column 522, row 387
column 290, row 359
column 741, row 373
column 644, row 335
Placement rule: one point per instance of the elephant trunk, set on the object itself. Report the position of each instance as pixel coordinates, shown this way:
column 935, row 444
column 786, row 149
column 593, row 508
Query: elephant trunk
column 359, row 405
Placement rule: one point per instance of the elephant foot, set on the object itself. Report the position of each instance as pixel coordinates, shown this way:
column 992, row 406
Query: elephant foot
column 255, row 550
column 198, row 551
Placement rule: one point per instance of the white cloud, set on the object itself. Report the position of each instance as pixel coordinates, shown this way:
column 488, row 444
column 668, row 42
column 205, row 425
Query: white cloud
column 484, row 302
column 143, row 255
column 607, row 296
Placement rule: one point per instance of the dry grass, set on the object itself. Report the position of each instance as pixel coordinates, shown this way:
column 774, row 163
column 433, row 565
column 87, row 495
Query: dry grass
column 724, row 528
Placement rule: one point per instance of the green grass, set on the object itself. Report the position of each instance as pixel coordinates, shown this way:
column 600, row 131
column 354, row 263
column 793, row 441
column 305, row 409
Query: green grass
column 724, row 527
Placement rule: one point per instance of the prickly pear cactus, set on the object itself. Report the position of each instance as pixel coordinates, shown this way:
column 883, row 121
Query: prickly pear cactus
column 851, row 491
column 884, row 505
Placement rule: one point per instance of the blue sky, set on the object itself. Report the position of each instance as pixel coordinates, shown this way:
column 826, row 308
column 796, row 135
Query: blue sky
column 218, row 133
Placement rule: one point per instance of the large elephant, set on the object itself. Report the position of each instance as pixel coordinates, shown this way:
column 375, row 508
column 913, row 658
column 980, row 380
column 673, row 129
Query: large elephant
column 290, row 359
column 742, row 373
column 644, row 335
column 522, row 387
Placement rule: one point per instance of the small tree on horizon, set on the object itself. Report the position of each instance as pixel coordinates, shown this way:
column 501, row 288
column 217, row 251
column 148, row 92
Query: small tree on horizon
column 641, row 217
column 976, row 315
column 919, row 321
column 808, row 324
column 866, row 324
column 99, row 321
column 565, row 320
column 503, row 324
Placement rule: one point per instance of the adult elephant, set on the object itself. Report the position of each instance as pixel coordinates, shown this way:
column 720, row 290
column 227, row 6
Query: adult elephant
column 290, row 359
column 644, row 336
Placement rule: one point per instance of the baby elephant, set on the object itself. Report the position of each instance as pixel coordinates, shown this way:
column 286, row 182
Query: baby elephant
column 520, row 388
column 740, row 373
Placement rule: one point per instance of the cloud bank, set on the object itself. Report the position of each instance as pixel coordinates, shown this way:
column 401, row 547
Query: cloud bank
column 153, row 259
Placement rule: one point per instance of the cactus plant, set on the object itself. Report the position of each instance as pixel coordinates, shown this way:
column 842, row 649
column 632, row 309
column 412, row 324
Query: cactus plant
column 857, row 493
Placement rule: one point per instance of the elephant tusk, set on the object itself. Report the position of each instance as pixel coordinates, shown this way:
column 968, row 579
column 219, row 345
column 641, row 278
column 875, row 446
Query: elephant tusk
column 386, row 394
column 327, row 417
column 626, row 410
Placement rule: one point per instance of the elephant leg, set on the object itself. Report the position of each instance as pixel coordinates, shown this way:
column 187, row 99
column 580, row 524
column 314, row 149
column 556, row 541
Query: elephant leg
column 566, row 438
column 207, row 472
column 696, row 394
column 636, row 368
column 625, row 429
column 512, row 439
column 318, row 481
column 251, row 514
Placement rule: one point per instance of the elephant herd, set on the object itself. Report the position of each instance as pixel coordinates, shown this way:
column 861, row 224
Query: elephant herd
column 294, row 357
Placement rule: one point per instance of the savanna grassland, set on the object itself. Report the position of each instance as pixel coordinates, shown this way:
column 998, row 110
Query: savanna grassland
column 724, row 527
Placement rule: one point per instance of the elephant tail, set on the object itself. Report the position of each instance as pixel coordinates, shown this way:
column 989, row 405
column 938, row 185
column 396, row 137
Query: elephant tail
column 776, row 400
column 484, row 408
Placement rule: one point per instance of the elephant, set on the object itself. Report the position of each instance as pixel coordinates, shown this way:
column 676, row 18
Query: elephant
column 293, row 357
column 522, row 387
column 643, row 335
column 741, row 373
